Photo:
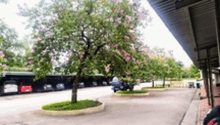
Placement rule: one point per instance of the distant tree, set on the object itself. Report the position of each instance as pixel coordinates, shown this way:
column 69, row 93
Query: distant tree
column 186, row 73
column 194, row 71
column 9, row 43
column 180, row 71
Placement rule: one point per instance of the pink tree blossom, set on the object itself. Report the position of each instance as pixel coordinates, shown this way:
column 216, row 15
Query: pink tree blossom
column 33, row 51
column 43, row 28
column 85, row 68
column 127, row 38
column 118, row 21
column 133, row 59
column 4, row 66
column 123, row 51
column 126, row 54
column 49, row 35
column 38, row 39
column 116, row 46
column 101, row 1
column 128, row 18
column 1, row 52
column 133, row 49
column 127, row 58
column 121, row 12
column 30, row 58
column 137, row 62
column 60, row 9
column 43, row 52
column 31, row 62
column 127, row 73
column 25, row 63
column 67, row 36
column 42, row 42
column 52, row 25
column 116, row 1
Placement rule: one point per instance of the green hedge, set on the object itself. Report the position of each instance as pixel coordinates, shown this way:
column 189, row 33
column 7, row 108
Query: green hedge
column 68, row 105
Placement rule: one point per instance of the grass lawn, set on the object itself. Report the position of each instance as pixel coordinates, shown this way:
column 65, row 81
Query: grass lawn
column 132, row 92
column 67, row 105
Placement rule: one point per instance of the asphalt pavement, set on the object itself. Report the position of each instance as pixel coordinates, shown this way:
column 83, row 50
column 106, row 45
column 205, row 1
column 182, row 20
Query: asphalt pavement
column 159, row 108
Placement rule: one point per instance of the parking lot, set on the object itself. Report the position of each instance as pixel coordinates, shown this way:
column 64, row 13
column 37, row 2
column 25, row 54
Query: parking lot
column 159, row 108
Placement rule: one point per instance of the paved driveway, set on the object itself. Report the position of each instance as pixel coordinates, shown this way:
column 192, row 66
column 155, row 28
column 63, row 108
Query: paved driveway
column 160, row 108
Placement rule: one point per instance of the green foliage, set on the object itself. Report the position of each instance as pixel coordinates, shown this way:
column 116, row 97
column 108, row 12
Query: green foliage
column 9, row 44
column 194, row 71
column 8, row 37
column 132, row 92
column 16, row 68
column 65, row 106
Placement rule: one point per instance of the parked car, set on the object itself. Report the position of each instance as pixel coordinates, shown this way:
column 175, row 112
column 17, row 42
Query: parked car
column 60, row 86
column 48, row 87
column 191, row 84
column 94, row 83
column 104, row 83
column 120, row 86
column 81, row 85
column 24, row 88
column 9, row 87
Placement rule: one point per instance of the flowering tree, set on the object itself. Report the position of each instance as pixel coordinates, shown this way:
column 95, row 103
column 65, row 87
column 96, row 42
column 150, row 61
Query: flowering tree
column 80, row 36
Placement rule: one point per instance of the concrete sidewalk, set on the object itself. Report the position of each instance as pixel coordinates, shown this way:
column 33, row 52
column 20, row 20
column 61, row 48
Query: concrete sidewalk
column 190, row 117
column 204, row 107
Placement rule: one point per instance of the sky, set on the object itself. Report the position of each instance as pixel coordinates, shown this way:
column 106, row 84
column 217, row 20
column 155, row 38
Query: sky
column 155, row 34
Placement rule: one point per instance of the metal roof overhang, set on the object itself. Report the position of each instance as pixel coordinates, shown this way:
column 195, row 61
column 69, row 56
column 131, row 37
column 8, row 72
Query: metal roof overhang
column 193, row 24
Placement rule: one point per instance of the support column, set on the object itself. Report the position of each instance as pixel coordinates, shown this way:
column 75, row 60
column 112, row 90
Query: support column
column 217, row 19
column 206, row 83
column 210, row 77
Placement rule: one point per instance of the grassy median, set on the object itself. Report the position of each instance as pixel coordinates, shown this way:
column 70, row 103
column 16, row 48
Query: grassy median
column 68, row 105
column 153, row 87
column 132, row 92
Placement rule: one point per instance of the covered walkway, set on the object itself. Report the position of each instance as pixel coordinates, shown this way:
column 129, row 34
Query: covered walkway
column 196, row 26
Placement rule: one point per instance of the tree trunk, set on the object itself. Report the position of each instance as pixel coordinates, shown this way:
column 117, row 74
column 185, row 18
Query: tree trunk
column 74, row 91
column 164, row 82
column 131, row 87
column 170, row 82
column 75, row 86
column 153, row 83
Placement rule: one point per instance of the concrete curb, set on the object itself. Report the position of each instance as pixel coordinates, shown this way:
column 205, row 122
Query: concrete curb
column 74, row 112
column 191, row 115
column 133, row 95
column 160, row 89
